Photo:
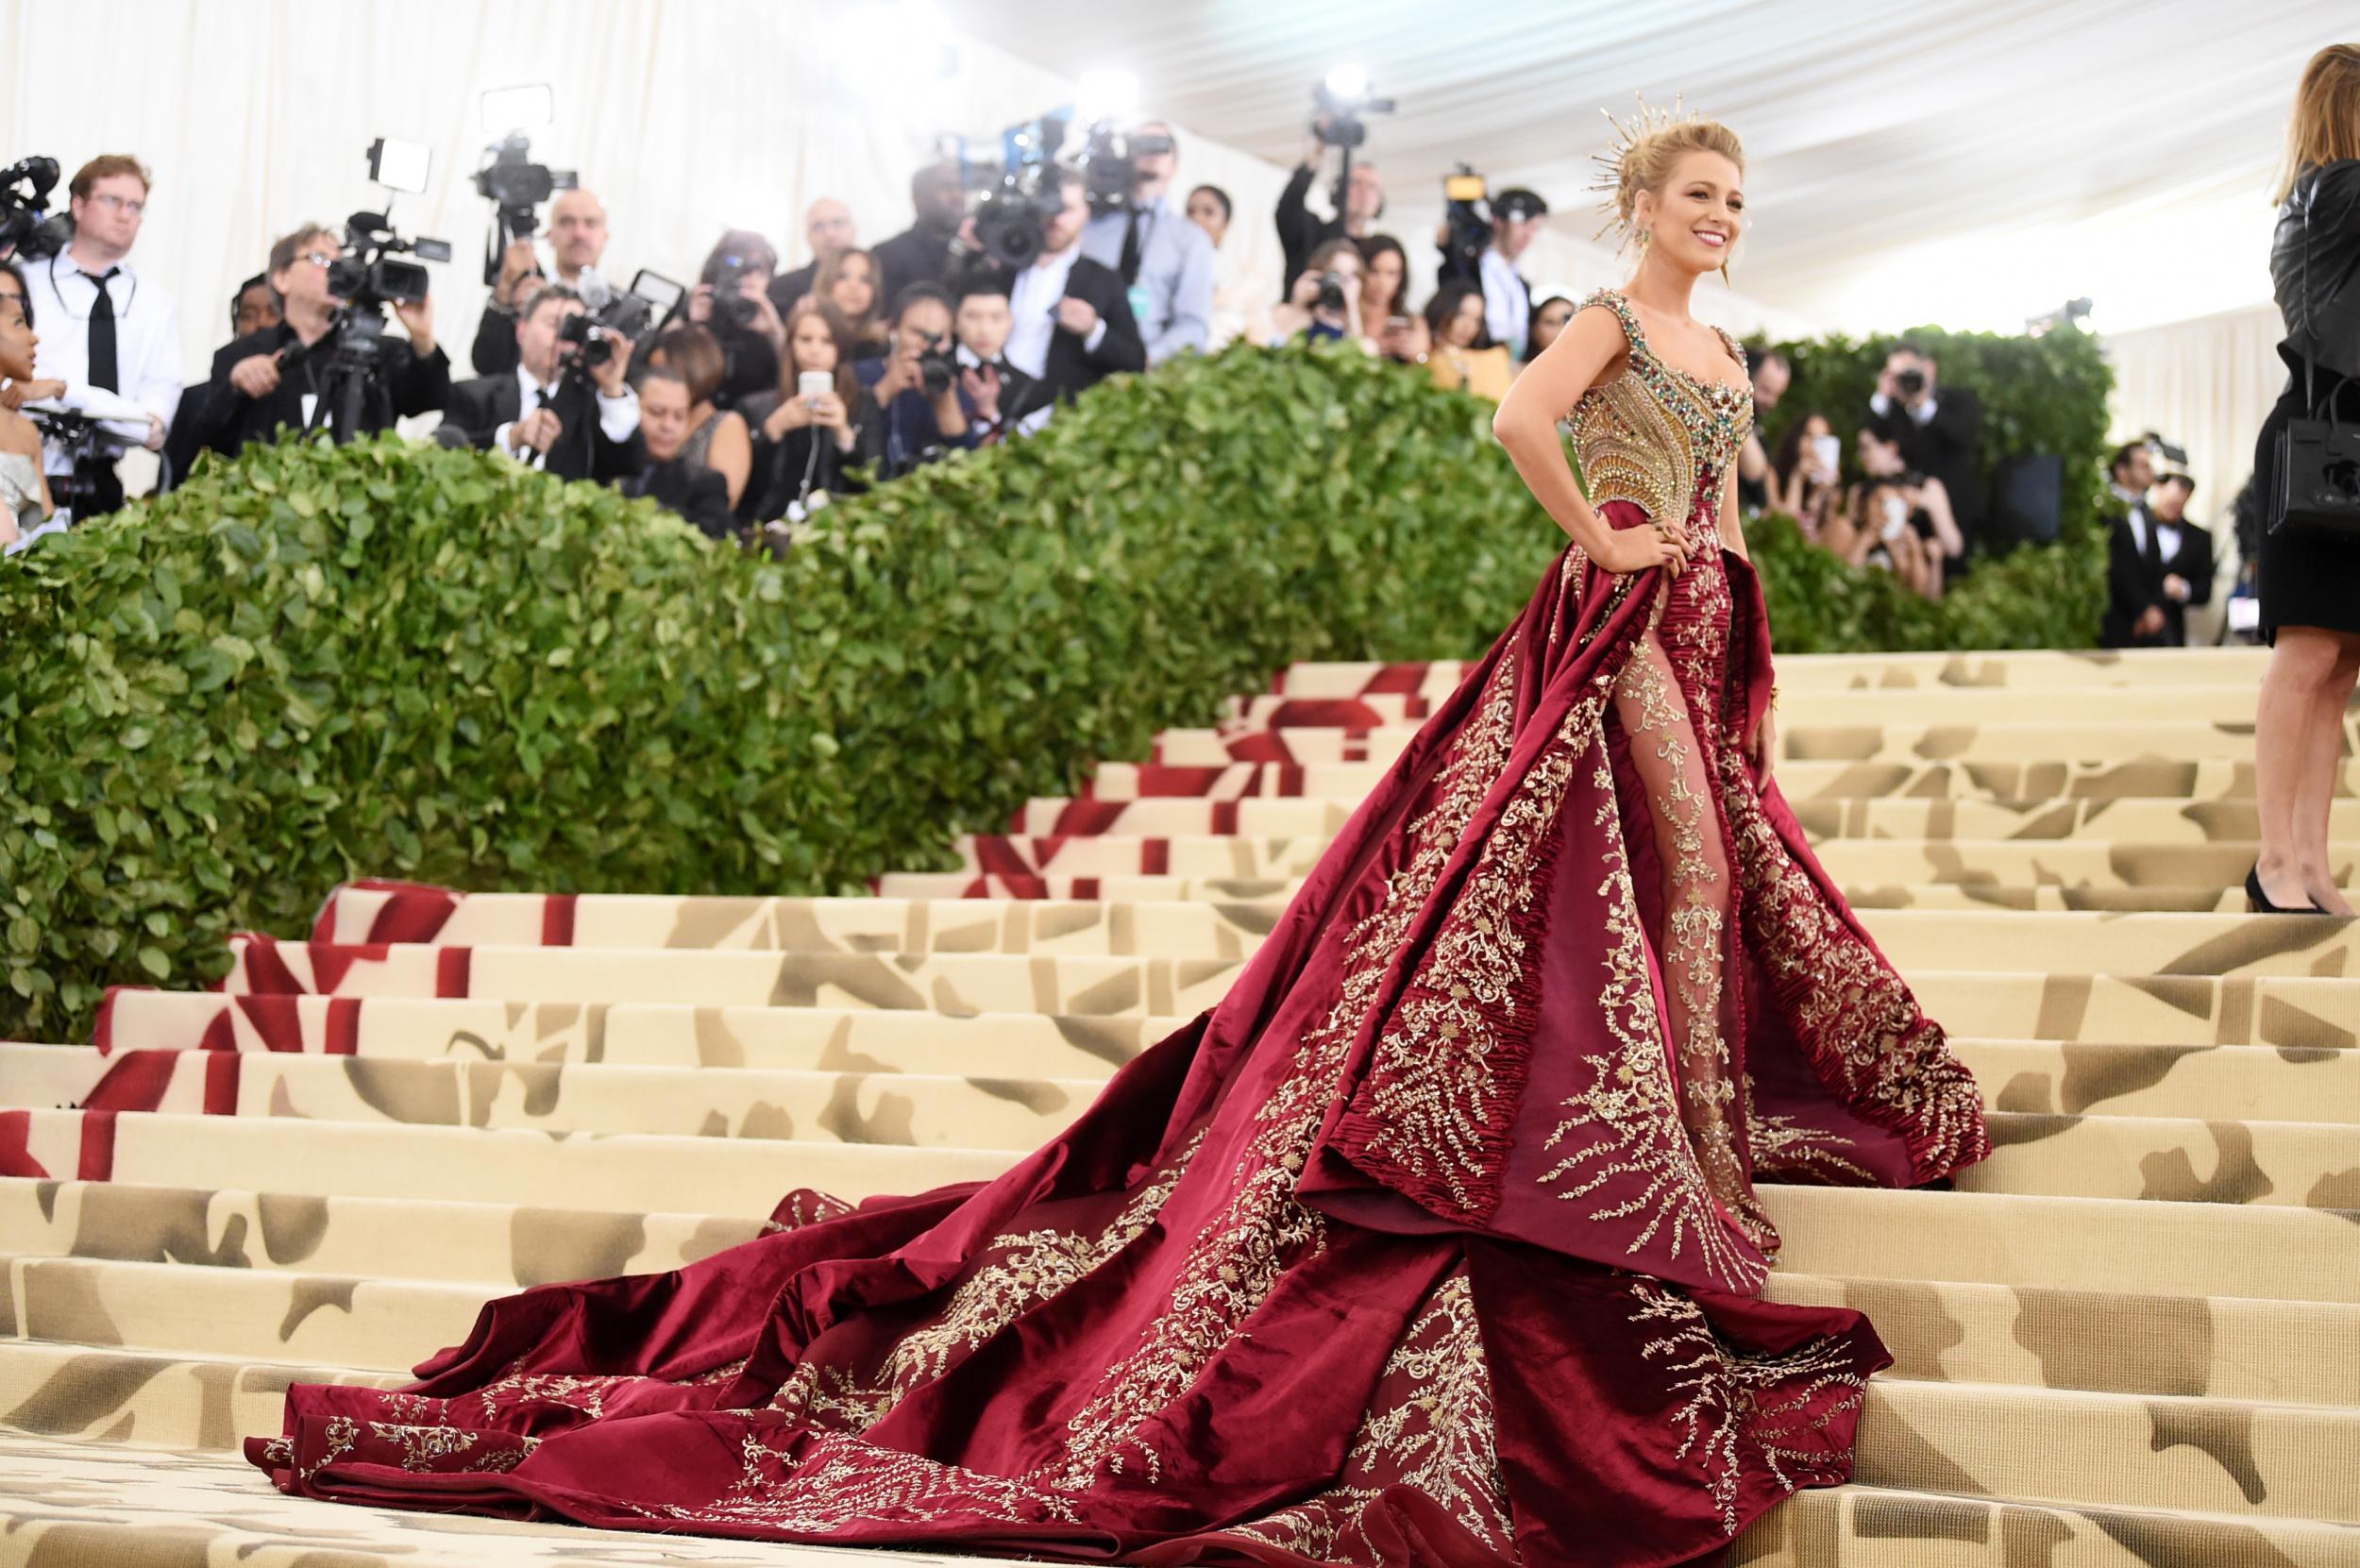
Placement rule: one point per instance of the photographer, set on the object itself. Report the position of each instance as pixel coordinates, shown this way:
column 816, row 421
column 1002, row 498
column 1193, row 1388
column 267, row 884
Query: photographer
column 253, row 308
column 828, row 226
column 1939, row 429
column 1516, row 217
column 1165, row 261
column 577, row 241
column 732, row 301
column 1325, row 300
column 921, row 253
column 109, row 334
column 1299, row 232
column 672, row 477
column 275, row 377
column 803, row 433
column 541, row 413
column 1770, row 373
column 997, row 392
column 914, row 413
column 1070, row 317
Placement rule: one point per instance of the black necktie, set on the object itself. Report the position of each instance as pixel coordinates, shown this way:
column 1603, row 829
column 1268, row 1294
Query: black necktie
column 2154, row 540
column 103, row 371
column 1134, row 241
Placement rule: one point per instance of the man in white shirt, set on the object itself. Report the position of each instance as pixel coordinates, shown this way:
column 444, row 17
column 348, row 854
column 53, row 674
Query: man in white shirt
column 1165, row 261
column 533, row 416
column 111, row 336
column 1516, row 218
column 1071, row 316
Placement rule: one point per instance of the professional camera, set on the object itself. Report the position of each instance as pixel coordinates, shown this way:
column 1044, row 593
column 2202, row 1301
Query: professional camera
column 1909, row 383
column 938, row 366
column 1469, row 229
column 1342, row 98
column 27, row 229
column 1013, row 197
column 731, row 308
column 1109, row 165
column 624, row 317
column 1331, row 297
column 515, row 186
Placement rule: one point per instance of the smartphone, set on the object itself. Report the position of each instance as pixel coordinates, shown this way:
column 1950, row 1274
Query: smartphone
column 1829, row 449
column 813, row 383
column 1896, row 515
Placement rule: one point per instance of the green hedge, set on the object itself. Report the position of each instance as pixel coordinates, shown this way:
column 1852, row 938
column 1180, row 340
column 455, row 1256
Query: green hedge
column 2045, row 395
column 391, row 660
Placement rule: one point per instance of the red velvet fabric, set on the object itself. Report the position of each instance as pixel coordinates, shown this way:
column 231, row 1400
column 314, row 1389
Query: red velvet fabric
column 1399, row 1256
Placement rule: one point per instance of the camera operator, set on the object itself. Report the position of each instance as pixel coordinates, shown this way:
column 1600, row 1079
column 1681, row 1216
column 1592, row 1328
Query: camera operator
column 273, row 380
column 577, row 241
column 1299, row 232
column 1325, row 300
column 732, row 301
column 1165, row 261
column 253, row 308
column 828, row 226
column 537, row 413
column 921, row 253
column 110, row 335
column 1516, row 218
column 999, row 394
column 913, row 412
column 672, row 477
column 1070, row 317
column 1939, row 430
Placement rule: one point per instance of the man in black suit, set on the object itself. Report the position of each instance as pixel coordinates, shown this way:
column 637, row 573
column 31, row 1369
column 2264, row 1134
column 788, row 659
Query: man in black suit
column 921, row 253
column 2140, row 611
column 276, row 377
column 1940, row 430
column 1071, row 321
column 828, row 225
column 541, row 416
column 2186, row 547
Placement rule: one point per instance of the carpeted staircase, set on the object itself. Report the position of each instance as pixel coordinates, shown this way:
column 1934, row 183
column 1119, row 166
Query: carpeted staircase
column 2133, row 1337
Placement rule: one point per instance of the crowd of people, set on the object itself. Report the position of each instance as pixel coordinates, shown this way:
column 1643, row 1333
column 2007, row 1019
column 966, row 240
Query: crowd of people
column 767, row 389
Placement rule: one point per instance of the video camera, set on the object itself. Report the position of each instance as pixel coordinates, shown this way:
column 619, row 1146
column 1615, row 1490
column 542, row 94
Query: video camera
column 26, row 227
column 618, row 318
column 515, row 186
column 1468, row 226
column 1013, row 197
column 371, row 275
column 1342, row 98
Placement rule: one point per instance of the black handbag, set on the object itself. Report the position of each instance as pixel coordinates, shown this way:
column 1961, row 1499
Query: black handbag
column 2318, row 459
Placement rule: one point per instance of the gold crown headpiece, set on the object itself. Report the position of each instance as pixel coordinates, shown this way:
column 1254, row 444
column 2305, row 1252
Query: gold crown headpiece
column 1629, row 133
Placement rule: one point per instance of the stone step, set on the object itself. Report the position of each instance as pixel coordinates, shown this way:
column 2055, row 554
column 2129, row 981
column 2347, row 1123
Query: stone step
column 2147, row 1010
column 1870, row 1234
column 2158, row 778
column 2012, row 670
column 936, row 1093
column 2165, row 821
column 1803, row 707
column 2153, row 1158
column 2062, row 740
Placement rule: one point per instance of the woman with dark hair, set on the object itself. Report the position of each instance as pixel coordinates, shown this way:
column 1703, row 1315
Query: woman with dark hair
column 715, row 437
column 1386, row 321
column 2310, row 579
column 673, row 480
column 847, row 280
column 1806, row 472
column 1326, row 299
column 1548, row 319
column 1455, row 317
column 23, row 488
column 806, row 433
column 732, row 301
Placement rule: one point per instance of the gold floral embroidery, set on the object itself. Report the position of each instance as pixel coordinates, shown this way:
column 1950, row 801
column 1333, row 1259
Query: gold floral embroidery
column 1648, row 435
column 837, row 1480
column 1234, row 1259
column 1431, row 1426
column 422, row 1445
column 340, row 1435
column 513, row 1389
column 1738, row 1406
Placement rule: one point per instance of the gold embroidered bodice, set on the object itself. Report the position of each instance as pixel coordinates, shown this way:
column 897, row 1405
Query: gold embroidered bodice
column 1652, row 434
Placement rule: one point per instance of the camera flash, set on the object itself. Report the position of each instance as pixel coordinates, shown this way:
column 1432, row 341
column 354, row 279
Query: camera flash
column 400, row 165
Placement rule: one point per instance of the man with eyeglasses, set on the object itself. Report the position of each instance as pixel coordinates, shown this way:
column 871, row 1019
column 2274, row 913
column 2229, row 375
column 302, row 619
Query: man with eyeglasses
column 110, row 335
column 273, row 379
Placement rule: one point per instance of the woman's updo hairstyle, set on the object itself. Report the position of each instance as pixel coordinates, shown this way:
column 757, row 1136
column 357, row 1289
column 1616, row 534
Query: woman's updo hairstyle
column 1647, row 148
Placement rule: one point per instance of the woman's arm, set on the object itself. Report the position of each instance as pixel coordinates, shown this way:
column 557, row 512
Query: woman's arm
column 1936, row 500
column 1732, row 530
column 1526, row 427
column 732, row 455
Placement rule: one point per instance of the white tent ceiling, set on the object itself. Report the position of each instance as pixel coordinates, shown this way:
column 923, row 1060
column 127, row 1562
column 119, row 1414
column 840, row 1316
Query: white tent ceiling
column 1972, row 161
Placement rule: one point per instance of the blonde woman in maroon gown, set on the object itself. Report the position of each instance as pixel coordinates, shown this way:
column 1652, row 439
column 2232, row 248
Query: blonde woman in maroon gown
column 1436, row 1243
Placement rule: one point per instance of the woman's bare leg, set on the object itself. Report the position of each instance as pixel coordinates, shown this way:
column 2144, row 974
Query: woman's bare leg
column 2314, row 787
column 2301, row 664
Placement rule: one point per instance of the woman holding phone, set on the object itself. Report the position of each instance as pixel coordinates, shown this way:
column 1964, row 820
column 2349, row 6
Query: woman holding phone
column 803, row 430
column 1806, row 473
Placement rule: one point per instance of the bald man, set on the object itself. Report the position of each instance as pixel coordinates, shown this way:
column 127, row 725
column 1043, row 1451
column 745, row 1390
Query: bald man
column 577, row 232
column 828, row 226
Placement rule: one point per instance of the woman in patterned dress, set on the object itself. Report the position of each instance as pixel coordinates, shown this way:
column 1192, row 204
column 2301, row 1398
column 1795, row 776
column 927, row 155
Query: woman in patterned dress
column 1436, row 1243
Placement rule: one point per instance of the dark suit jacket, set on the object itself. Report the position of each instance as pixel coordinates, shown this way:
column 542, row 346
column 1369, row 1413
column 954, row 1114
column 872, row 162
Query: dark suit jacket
column 1070, row 369
column 699, row 494
column 1299, row 232
column 478, row 408
column 788, row 286
column 2135, row 579
column 496, row 352
column 412, row 386
column 914, row 256
column 1949, row 447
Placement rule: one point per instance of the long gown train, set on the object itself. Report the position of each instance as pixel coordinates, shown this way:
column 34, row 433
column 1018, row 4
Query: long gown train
column 1435, row 1243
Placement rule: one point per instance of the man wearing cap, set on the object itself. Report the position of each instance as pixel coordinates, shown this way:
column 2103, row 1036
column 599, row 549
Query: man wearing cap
column 1516, row 218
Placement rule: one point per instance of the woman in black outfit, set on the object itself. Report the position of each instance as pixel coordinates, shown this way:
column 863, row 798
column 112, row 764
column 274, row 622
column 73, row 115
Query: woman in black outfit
column 2310, row 582
column 804, row 440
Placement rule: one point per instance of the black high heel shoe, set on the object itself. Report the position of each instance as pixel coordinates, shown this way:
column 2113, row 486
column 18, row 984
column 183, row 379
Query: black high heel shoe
column 2258, row 902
